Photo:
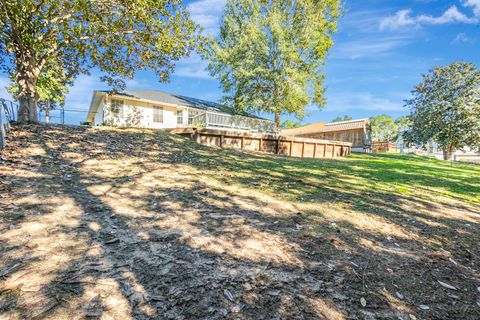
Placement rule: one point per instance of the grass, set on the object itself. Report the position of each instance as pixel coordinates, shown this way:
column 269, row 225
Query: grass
column 143, row 224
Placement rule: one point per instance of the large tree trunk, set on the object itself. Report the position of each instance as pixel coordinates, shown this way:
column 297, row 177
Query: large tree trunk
column 26, row 77
column 28, row 110
column 448, row 153
column 277, row 120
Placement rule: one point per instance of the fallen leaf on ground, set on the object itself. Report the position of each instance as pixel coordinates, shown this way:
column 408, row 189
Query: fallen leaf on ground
column 446, row 285
column 363, row 302
column 228, row 294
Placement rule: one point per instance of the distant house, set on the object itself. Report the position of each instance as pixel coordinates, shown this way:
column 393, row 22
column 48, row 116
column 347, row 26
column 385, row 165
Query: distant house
column 162, row 110
column 357, row 132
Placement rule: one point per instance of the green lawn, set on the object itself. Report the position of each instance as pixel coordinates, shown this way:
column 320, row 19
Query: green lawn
column 384, row 173
column 141, row 224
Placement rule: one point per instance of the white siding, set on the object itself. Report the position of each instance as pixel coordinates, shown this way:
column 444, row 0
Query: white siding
column 139, row 114
column 98, row 120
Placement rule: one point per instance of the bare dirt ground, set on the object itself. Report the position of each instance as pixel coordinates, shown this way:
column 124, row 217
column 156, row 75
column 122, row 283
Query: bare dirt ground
column 123, row 224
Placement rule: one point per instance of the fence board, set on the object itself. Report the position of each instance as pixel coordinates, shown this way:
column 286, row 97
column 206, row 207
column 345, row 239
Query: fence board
column 270, row 143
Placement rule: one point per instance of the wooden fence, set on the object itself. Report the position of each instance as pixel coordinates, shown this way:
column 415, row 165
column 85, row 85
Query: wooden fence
column 383, row 146
column 269, row 143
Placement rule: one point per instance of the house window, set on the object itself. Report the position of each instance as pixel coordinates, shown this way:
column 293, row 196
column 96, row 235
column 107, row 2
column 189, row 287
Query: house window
column 179, row 116
column 116, row 107
column 157, row 114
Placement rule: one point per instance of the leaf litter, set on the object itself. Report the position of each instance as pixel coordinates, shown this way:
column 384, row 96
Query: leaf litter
column 144, row 265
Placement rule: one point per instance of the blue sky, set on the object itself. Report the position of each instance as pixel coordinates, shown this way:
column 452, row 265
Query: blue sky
column 380, row 51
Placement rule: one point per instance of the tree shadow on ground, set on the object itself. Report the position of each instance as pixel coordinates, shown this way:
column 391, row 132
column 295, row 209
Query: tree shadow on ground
column 157, row 242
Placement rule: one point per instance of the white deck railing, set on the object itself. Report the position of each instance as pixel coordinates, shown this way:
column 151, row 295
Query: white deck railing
column 216, row 120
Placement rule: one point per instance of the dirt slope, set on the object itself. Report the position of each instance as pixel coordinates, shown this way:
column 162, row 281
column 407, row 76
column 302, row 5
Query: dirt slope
column 123, row 224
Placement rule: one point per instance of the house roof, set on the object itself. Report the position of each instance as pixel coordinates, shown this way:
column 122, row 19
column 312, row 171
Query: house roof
column 345, row 125
column 314, row 127
column 172, row 99
column 327, row 127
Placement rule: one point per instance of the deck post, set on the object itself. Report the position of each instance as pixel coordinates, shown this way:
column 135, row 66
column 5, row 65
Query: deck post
column 325, row 150
column 260, row 144
column 333, row 151
column 243, row 143
column 314, row 150
column 221, row 141
column 291, row 148
column 303, row 149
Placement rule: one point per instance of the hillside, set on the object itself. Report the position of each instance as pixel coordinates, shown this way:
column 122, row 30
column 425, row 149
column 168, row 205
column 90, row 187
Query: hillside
column 111, row 223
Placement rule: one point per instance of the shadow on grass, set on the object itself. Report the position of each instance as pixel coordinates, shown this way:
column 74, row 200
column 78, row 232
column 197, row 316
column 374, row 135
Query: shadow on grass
column 189, row 246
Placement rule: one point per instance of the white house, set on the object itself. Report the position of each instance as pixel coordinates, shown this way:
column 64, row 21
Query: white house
column 158, row 109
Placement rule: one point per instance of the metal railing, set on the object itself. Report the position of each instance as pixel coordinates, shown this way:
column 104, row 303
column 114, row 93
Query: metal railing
column 217, row 120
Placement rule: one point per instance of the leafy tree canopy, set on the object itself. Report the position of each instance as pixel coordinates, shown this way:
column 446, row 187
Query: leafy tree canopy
column 445, row 108
column 403, row 123
column 269, row 56
column 383, row 128
column 339, row 118
column 118, row 37
column 289, row 124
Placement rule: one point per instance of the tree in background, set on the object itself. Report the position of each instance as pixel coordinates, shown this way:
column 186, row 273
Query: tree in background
column 445, row 108
column 339, row 118
column 118, row 37
column 269, row 56
column 403, row 123
column 383, row 128
column 289, row 124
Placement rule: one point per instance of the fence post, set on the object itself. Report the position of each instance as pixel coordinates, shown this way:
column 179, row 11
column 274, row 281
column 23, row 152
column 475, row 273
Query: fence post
column 47, row 111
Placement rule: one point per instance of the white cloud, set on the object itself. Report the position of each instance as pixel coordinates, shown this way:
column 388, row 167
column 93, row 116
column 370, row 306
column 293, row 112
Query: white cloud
column 400, row 19
column 192, row 67
column 403, row 18
column 207, row 13
column 368, row 47
column 81, row 92
column 462, row 38
column 474, row 4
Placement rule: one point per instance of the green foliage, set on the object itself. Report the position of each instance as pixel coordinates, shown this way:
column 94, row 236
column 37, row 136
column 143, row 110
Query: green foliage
column 339, row 118
column 289, row 124
column 269, row 56
column 445, row 108
column 383, row 128
column 118, row 37
column 52, row 85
